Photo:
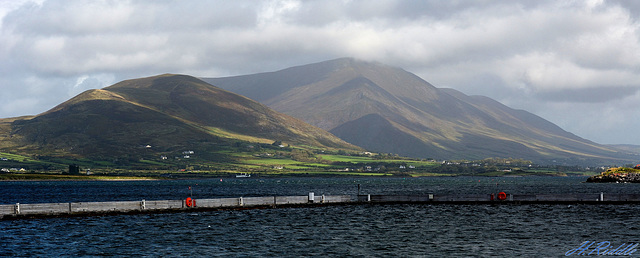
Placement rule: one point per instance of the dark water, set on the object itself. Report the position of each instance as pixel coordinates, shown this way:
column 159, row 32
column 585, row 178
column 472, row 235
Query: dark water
column 83, row 191
column 353, row 230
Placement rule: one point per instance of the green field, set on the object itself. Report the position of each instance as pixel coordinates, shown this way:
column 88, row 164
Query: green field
column 365, row 159
column 266, row 162
column 18, row 158
column 287, row 163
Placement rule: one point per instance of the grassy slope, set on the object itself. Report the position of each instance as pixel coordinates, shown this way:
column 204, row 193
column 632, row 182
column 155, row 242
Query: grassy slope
column 221, row 111
column 412, row 117
column 170, row 113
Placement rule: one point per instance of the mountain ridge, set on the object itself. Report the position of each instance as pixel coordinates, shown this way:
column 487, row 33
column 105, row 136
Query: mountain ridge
column 168, row 112
column 341, row 95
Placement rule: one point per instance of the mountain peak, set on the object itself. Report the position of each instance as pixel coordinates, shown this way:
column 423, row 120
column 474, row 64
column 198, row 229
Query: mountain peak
column 167, row 111
column 345, row 62
column 267, row 87
column 356, row 100
column 165, row 81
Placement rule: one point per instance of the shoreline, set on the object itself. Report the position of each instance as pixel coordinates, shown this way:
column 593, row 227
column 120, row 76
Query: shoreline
column 62, row 177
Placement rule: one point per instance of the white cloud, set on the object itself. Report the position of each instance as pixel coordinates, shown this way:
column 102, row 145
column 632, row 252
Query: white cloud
column 276, row 11
column 94, row 81
column 543, row 56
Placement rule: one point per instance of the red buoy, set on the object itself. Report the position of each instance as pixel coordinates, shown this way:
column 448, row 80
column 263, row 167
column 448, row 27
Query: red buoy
column 190, row 202
column 502, row 196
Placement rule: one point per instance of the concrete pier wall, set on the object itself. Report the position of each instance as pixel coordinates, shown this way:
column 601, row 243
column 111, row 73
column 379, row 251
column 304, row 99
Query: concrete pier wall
column 18, row 210
column 602, row 198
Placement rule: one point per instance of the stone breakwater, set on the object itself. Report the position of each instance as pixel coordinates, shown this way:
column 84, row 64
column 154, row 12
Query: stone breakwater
column 615, row 178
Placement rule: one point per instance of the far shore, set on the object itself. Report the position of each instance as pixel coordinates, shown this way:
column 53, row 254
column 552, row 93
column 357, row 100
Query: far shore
column 61, row 177
column 168, row 176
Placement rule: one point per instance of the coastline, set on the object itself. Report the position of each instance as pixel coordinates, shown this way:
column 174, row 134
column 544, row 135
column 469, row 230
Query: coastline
column 617, row 175
column 59, row 177
column 615, row 178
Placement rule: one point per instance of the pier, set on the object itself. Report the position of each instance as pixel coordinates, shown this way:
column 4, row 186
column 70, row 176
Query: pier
column 40, row 210
column 597, row 198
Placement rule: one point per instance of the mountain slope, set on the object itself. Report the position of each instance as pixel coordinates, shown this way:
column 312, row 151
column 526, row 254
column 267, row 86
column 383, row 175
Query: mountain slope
column 388, row 109
column 167, row 112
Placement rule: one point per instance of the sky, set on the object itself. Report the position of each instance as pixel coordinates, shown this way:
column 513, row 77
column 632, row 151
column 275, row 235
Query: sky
column 574, row 63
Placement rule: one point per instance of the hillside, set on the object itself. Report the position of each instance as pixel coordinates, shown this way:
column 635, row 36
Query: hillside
column 630, row 148
column 146, row 117
column 387, row 109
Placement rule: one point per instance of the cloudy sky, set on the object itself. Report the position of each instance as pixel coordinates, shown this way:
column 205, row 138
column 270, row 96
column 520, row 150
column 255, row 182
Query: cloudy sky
column 575, row 63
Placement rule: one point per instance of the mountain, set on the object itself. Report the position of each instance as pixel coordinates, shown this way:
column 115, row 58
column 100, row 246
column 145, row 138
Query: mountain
column 387, row 109
column 629, row 148
column 159, row 114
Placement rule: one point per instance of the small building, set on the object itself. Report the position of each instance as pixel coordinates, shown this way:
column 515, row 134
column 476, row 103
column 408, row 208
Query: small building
column 74, row 170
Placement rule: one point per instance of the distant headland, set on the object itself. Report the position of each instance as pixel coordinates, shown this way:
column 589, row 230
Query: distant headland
column 618, row 175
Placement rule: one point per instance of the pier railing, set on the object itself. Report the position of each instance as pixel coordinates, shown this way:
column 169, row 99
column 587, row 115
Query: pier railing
column 18, row 210
column 598, row 198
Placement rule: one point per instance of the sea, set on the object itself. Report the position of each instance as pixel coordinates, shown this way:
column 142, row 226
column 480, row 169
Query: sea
column 367, row 230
